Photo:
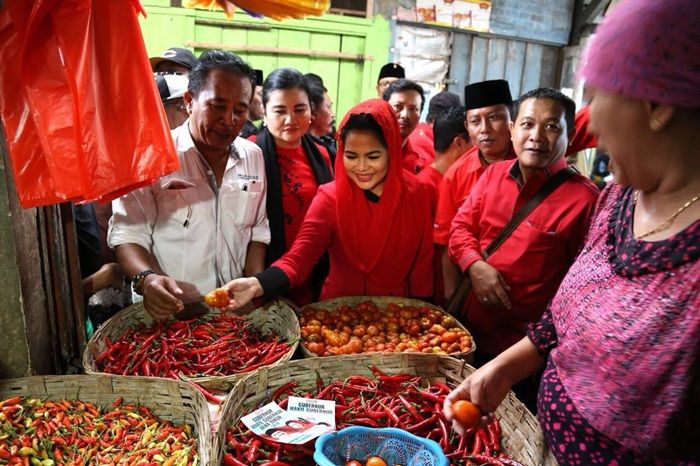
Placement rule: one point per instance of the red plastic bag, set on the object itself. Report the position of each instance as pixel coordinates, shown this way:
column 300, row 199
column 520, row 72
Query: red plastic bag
column 82, row 114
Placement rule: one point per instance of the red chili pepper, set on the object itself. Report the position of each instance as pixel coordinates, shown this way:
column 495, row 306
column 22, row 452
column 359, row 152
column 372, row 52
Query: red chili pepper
column 494, row 437
column 229, row 460
column 252, row 454
column 284, row 388
column 485, row 459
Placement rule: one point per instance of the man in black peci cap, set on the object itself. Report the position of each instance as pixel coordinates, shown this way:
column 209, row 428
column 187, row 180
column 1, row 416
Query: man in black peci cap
column 175, row 60
column 488, row 112
column 489, row 109
column 387, row 75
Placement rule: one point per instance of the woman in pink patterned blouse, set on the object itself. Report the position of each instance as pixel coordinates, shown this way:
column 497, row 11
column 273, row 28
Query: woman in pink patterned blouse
column 620, row 342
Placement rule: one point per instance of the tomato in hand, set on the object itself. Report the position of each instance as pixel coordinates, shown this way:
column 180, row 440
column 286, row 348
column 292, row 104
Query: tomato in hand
column 217, row 298
column 375, row 461
column 466, row 413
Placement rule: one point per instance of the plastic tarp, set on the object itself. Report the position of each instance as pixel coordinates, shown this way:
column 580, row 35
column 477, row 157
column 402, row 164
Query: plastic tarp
column 78, row 101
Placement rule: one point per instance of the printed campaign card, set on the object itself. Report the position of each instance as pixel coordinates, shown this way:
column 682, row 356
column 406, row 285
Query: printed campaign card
column 321, row 412
column 295, row 427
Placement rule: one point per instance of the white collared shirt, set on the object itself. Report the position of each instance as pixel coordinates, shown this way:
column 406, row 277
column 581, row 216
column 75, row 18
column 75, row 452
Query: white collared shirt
column 198, row 234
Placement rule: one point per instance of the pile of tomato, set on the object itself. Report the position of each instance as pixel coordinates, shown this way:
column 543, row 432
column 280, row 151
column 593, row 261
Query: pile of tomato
column 366, row 328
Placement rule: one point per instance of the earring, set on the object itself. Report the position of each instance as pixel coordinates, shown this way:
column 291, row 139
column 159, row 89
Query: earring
column 655, row 123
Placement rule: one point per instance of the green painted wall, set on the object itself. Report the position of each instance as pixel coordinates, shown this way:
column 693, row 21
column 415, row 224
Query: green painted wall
column 348, row 80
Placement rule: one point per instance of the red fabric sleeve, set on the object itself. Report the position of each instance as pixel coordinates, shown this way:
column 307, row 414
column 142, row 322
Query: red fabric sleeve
column 464, row 248
column 313, row 239
column 430, row 178
column 444, row 212
column 421, row 279
column 581, row 139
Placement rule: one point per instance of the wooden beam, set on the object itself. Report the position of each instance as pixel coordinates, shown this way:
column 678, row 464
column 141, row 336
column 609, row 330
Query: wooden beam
column 280, row 51
column 584, row 16
column 232, row 24
column 593, row 9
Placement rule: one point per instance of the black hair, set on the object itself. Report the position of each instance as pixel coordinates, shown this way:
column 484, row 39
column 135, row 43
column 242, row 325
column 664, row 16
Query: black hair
column 553, row 94
column 313, row 78
column 401, row 85
column 363, row 122
column 448, row 125
column 218, row 60
column 316, row 95
column 283, row 79
column 272, row 430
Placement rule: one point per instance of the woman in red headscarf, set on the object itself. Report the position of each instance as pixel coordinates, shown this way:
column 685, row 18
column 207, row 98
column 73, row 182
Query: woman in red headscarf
column 374, row 220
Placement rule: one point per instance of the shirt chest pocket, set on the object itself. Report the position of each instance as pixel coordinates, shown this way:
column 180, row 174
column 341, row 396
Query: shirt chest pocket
column 178, row 208
column 241, row 207
column 534, row 253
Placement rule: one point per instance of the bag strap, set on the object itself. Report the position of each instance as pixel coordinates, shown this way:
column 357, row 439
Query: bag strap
column 545, row 190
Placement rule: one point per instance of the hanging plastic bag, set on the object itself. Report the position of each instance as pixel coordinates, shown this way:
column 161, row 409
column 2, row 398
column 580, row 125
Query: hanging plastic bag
column 96, row 128
column 275, row 9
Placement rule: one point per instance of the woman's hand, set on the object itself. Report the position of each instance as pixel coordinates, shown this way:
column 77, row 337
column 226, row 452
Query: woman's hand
column 490, row 384
column 243, row 291
column 486, row 388
column 489, row 286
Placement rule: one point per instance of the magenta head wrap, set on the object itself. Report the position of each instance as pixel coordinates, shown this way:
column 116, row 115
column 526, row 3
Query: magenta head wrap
column 650, row 50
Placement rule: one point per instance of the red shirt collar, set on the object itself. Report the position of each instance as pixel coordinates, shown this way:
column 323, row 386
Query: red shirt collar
column 540, row 176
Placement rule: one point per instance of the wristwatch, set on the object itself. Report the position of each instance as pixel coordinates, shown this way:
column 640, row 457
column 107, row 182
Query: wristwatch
column 137, row 281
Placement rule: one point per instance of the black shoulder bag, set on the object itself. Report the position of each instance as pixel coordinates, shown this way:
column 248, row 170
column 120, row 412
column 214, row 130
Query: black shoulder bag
column 464, row 288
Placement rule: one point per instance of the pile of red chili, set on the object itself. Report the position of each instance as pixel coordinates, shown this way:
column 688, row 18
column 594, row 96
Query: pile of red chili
column 384, row 401
column 46, row 433
column 218, row 346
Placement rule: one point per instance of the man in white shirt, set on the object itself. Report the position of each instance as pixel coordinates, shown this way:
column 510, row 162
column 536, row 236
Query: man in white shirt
column 206, row 224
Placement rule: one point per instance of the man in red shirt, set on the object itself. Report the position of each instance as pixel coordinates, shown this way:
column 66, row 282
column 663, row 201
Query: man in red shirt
column 407, row 99
column 422, row 137
column 450, row 143
column 513, row 286
column 488, row 105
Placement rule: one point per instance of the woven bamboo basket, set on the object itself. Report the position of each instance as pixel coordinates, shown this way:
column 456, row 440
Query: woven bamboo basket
column 522, row 438
column 278, row 317
column 168, row 399
column 381, row 302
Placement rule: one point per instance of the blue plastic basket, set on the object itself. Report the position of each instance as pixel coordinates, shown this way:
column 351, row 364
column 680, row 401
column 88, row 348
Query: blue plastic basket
column 395, row 446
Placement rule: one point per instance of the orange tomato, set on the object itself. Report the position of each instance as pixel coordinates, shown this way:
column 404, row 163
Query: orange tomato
column 375, row 461
column 317, row 348
column 353, row 463
column 466, row 413
column 449, row 337
column 210, row 299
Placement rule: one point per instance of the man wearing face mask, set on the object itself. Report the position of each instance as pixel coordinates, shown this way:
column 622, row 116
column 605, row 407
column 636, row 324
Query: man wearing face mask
column 206, row 224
